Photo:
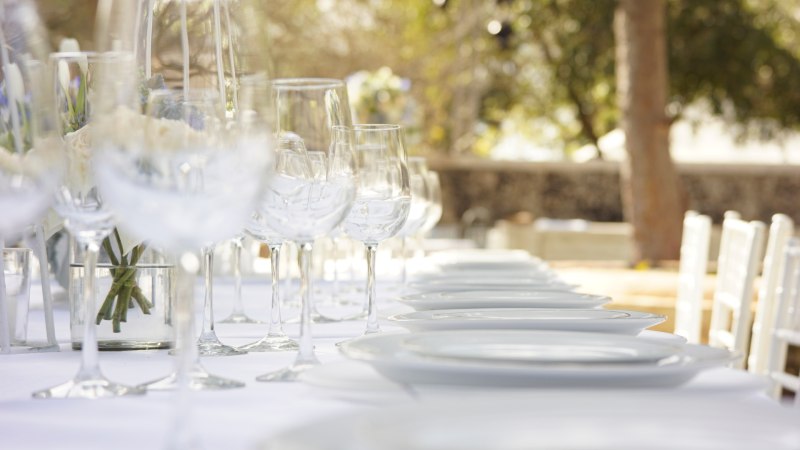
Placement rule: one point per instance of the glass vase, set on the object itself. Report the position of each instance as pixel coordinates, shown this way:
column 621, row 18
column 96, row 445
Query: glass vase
column 133, row 305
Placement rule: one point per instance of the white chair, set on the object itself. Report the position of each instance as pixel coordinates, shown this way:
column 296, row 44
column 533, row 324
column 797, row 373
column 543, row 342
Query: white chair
column 787, row 326
column 691, row 275
column 780, row 231
column 737, row 266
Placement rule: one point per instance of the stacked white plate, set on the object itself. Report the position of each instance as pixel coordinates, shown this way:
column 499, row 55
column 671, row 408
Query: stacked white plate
column 521, row 358
column 487, row 269
column 594, row 320
column 489, row 298
column 495, row 282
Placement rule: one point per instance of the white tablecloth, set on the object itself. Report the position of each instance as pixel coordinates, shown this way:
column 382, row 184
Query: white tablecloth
column 233, row 419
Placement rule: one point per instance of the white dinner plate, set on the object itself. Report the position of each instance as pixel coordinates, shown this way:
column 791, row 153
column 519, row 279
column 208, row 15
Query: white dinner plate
column 553, row 421
column 490, row 282
column 460, row 257
column 596, row 320
column 502, row 346
column 438, row 274
column 493, row 298
column 391, row 356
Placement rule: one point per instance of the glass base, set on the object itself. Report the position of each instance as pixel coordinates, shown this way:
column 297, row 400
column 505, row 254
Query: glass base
column 289, row 373
column 362, row 315
column 32, row 347
column 239, row 318
column 89, row 388
column 366, row 333
column 316, row 318
column 211, row 346
column 279, row 343
column 109, row 345
column 199, row 380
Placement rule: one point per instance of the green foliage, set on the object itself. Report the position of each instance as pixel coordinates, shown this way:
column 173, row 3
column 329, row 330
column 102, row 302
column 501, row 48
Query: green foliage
column 735, row 54
column 731, row 55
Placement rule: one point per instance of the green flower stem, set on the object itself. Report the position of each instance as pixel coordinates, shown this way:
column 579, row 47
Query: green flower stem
column 121, row 277
column 124, row 292
column 110, row 251
column 140, row 299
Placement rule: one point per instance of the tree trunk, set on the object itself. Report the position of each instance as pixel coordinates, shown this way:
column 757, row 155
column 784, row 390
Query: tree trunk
column 652, row 195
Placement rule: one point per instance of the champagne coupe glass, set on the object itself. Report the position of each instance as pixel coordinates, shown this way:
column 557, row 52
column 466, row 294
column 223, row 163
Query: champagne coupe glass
column 382, row 197
column 237, row 315
column 78, row 201
column 313, row 186
column 31, row 161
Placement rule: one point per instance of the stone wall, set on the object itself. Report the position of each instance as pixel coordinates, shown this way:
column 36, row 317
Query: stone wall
column 591, row 190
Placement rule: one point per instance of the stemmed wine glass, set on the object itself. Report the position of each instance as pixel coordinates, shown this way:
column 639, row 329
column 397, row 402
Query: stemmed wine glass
column 434, row 213
column 208, row 343
column 78, row 201
column 31, row 161
column 190, row 167
column 313, row 186
column 288, row 152
column 420, row 203
column 382, row 196
column 237, row 315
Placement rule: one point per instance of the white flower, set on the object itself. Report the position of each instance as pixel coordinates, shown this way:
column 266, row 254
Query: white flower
column 78, row 146
column 69, row 45
column 10, row 162
column 15, row 87
column 63, row 75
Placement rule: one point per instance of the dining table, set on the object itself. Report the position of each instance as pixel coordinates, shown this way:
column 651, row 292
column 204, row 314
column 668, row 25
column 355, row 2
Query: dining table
column 262, row 415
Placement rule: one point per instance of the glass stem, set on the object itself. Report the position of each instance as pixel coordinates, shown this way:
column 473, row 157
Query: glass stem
column 186, row 350
column 44, row 274
column 238, row 308
column 89, row 352
column 275, row 327
column 335, row 257
column 208, row 304
column 306, row 353
column 404, row 261
column 5, row 330
column 372, row 311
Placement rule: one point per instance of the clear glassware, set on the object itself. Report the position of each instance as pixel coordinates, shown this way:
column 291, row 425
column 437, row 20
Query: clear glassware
column 188, row 163
column 434, row 213
column 78, row 201
column 313, row 186
column 256, row 99
column 383, row 195
column 190, row 174
column 238, row 315
column 208, row 343
column 420, row 203
column 31, row 162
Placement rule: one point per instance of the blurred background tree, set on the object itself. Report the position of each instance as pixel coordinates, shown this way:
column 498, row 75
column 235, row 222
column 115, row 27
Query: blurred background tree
column 542, row 69
column 527, row 79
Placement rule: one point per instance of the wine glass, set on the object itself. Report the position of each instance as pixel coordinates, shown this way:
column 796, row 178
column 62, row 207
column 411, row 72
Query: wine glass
column 382, row 197
column 420, row 203
column 313, row 186
column 78, row 201
column 195, row 45
column 434, row 213
column 254, row 95
column 237, row 315
column 208, row 343
column 31, row 163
